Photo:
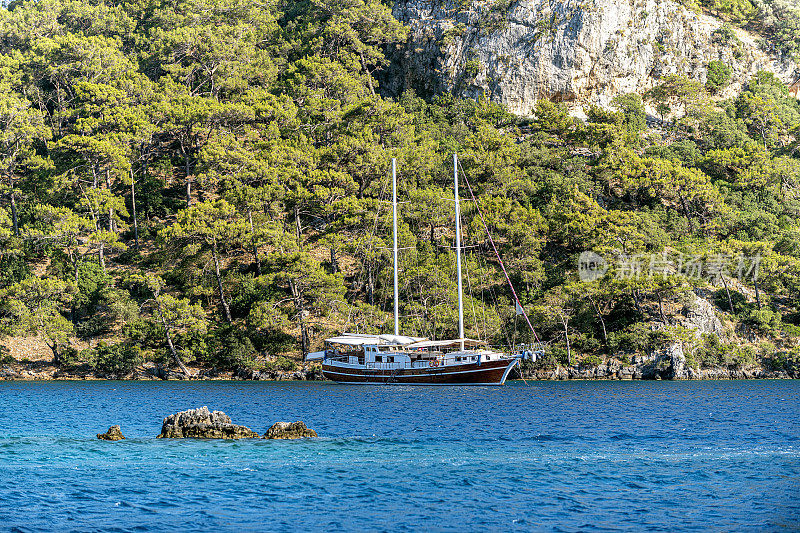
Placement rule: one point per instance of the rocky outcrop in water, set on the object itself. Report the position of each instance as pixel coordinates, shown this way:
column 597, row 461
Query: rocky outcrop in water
column 516, row 52
column 286, row 430
column 203, row 424
column 113, row 433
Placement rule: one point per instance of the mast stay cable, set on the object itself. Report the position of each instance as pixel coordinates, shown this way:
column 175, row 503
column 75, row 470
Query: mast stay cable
column 497, row 254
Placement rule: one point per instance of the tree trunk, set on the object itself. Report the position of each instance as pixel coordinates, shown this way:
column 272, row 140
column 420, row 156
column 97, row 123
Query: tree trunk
column 661, row 307
column 370, row 286
column 74, row 260
column 602, row 320
column 730, row 301
column 334, row 261
column 187, row 161
column 253, row 241
column 300, row 308
column 168, row 337
column 14, row 220
column 369, row 76
column 219, row 283
column 758, row 296
column 101, row 256
column 133, row 206
column 686, row 211
column 56, row 355
column 298, row 228
column 635, row 296
column 110, row 210
column 566, row 338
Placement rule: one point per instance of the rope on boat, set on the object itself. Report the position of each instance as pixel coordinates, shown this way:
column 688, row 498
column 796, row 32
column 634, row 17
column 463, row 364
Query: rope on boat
column 497, row 254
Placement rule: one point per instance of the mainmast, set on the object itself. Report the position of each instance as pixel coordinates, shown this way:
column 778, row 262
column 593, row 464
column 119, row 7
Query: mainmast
column 458, row 256
column 394, row 249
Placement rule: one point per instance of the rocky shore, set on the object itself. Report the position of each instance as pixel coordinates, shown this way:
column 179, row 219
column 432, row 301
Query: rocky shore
column 47, row 371
column 640, row 368
column 668, row 364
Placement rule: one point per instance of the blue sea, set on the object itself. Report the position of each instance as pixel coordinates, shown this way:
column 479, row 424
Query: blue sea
column 541, row 456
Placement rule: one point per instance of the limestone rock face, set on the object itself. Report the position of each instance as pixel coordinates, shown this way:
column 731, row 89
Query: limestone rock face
column 113, row 433
column 700, row 316
column 203, row 424
column 677, row 359
column 286, row 430
column 578, row 51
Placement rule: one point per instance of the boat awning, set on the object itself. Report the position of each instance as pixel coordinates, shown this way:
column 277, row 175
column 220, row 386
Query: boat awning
column 399, row 339
column 355, row 339
column 315, row 356
column 445, row 343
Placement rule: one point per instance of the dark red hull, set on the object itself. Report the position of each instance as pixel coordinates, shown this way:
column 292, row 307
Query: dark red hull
column 487, row 373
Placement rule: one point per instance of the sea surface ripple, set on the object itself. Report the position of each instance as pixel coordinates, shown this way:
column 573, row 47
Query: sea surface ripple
column 553, row 456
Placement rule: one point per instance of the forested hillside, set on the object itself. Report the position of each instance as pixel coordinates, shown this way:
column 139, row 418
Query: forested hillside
column 206, row 182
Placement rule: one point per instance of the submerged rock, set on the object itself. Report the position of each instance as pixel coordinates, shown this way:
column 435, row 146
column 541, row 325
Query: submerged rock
column 113, row 433
column 285, row 430
column 203, row 424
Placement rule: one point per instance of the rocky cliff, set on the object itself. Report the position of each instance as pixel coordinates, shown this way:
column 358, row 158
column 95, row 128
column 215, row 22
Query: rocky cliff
column 576, row 51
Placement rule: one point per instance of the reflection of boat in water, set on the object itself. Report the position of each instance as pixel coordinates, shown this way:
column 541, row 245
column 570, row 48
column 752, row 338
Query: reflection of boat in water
column 402, row 360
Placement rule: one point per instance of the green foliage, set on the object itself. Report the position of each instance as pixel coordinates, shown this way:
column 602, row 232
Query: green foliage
column 714, row 353
column 207, row 181
column 591, row 361
column 117, row 359
column 638, row 338
column 281, row 364
column 472, row 68
column 632, row 108
column 35, row 306
column 719, row 75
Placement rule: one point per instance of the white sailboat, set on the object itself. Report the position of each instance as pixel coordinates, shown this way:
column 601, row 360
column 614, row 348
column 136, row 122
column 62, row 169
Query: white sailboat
column 406, row 360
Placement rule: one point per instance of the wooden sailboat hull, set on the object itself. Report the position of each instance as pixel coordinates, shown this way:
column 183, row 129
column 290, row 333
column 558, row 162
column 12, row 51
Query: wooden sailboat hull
column 487, row 373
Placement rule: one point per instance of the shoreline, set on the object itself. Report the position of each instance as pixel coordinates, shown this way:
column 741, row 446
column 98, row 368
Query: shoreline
column 39, row 372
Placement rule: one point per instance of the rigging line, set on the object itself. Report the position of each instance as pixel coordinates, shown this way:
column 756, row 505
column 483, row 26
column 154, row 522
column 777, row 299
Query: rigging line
column 368, row 246
column 471, row 297
column 483, row 300
column 496, row 253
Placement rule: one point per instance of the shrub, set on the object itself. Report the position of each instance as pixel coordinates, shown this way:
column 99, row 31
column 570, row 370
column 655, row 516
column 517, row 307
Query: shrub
column 585, row 343
column 631, row 106
column 472, row 68
column 117, row 359
column 591, row 361
column 281, row 364
column 783, row 360
column 739, row 300
column 719, row 75
column 639, row 338
column 764, row 320
column 69, row 357
column 229, row 348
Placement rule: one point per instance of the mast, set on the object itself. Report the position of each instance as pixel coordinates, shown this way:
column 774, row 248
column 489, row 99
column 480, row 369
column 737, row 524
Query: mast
column 394, row 250
column 458, row 255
